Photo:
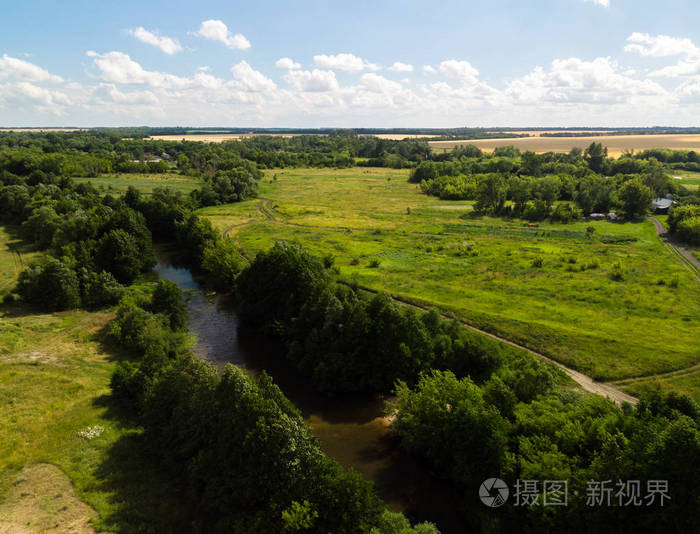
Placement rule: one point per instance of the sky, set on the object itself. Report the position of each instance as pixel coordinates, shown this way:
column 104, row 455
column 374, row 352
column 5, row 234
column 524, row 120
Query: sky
column 379, row 63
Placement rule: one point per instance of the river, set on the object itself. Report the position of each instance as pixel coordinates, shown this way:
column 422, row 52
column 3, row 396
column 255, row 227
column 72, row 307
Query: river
column 352, row 430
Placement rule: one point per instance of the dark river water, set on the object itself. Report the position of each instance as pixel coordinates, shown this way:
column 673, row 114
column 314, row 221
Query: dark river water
column 351, row 430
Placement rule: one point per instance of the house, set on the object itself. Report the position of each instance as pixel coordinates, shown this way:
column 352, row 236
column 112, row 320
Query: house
column 661, row 205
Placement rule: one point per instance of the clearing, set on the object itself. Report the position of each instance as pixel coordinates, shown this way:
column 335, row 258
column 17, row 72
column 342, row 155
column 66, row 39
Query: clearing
column 482, row 270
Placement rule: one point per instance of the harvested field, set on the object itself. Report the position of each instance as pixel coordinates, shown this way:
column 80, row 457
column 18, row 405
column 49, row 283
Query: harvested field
column 616, row 144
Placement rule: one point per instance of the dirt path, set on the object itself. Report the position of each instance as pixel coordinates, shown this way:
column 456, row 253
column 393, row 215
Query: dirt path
column 690, row 262
column 266, row 207
column 42, row 499
column 586, row 382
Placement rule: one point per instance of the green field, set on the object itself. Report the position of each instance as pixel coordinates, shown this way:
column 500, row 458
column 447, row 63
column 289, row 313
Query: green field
column 482, row 269
column 118, row 183
column 690, row 180
column 14, row 256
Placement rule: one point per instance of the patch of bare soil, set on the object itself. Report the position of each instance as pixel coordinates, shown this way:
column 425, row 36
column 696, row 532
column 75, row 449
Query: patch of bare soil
column 42, row 499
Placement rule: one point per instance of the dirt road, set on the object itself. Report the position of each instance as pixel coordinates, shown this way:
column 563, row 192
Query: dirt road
column 677, row 248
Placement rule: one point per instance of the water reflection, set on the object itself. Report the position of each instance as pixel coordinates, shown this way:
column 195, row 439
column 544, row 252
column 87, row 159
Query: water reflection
column 351, row 430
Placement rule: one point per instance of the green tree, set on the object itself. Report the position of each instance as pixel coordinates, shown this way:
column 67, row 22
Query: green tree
column 49, row 285
column 634, row 198
column 595, row 155
column 118, row 252
column 168, row 300
column 491, row 194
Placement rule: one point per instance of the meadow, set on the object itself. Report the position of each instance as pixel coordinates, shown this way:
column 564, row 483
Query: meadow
column 146, row 183
column 67, row 463
column 689, row 180
column 549, row 287
column 616, row 144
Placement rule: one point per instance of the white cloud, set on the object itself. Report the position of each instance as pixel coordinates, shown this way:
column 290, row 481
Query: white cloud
column 18, row 69
column 287, row 63
column 574, row 80
column 167, row 45
column 108, row 93
column 118, row 67
column 603, row 3
column 25, row 96
column 660, row 45
column 462, row 70
column 401, row 67
column 251, row 79
column 218, row 31
column 429, row 69
column 347, row 62
column 312, row 81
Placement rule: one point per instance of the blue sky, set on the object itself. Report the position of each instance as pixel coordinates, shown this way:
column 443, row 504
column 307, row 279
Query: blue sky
column 385, row 63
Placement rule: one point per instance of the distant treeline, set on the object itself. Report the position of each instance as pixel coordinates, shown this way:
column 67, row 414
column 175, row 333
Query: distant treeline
column 559, row 186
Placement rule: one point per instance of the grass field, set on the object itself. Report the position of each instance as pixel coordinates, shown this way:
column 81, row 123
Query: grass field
column 14, row 256
column 119, row 183
column 617, row 144
column 690, row 180
column 481, row 269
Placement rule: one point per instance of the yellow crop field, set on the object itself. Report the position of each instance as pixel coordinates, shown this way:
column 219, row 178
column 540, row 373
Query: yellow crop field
column 617, row 144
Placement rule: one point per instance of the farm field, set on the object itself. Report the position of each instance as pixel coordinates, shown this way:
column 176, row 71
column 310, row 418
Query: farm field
column 481, row 269
column 617, row 144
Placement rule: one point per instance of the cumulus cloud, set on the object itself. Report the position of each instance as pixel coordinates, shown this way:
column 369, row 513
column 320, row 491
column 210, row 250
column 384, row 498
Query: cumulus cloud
column 251, row 79
column 429, row 69
column 166, row 45
column 401, row 67
column 660, row 45
column 26, row 96
column 216, row 30
column 462, row 70
column 575, row 80
column 347, row 62
column 18, row 69
column 287, row 63
column 118, row 67
column 312, row 81
column 603, row 3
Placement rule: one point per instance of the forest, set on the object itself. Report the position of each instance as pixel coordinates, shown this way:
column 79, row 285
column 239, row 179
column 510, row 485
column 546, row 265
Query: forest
column 464, row 404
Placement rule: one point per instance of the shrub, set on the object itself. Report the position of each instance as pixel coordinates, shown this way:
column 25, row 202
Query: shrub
column 373, row 264
column 617, row 273
column 223, row 262
column 50, row 285
column 167, row 299
column 99, row 289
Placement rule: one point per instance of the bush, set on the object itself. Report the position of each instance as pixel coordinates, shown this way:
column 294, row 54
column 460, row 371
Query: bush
column 118, row 252
column 223, row 262
column 617, row 273
column 99, row 289
column 50, row 285
column 373, row 264
column 168, row 300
